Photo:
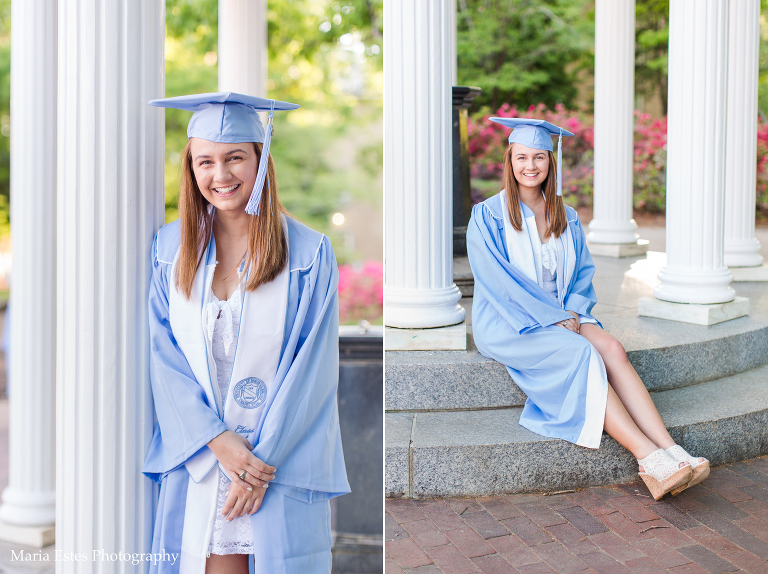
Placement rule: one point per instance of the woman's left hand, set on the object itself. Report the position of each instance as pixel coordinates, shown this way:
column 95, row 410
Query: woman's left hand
column 241, row 501
column 572, row 324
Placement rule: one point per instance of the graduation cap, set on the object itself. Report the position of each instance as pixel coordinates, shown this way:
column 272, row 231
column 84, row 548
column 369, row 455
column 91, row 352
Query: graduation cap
column 537, row 134
column 228, row 117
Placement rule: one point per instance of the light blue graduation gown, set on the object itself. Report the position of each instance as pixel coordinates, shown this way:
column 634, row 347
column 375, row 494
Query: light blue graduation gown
column 513, row 322
column 300, row 431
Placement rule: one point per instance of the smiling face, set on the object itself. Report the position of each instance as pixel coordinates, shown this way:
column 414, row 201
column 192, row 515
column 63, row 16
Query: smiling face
column 530, row 166
column 225, row 173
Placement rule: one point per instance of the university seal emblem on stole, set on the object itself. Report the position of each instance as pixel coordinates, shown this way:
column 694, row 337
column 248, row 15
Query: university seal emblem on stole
column 250, row 393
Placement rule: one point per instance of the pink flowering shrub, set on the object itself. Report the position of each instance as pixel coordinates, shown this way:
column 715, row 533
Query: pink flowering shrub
column 762, row 166
column 488, row 140
column 361, row 293
column 650, row 163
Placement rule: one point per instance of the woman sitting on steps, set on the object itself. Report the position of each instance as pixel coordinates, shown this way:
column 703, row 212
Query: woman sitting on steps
column 531, row 312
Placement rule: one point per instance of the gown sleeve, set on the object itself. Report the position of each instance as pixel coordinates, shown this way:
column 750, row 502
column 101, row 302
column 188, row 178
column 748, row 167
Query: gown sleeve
column 519, row 301
column 581, row 298
column 300, row 435
column 185, row 422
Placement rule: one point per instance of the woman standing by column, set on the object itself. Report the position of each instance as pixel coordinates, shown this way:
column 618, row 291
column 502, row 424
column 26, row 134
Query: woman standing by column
column 244, row 332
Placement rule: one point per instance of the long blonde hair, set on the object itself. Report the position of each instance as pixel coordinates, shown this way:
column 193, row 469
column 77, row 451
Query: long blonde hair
column 267, row 247
column 557, row 219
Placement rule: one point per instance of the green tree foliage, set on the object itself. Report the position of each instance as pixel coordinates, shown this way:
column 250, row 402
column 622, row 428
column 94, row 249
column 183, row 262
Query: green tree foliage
column 324, row 55
column 524, row 52
column 651, row 42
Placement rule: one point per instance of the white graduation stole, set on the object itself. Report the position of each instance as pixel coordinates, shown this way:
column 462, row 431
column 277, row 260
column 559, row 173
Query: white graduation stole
column 519, row 246
column 251, row 389
column 521, row 253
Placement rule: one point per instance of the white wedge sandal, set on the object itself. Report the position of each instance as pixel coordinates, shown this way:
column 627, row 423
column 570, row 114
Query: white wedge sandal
column 700, row 467
column 661, row 473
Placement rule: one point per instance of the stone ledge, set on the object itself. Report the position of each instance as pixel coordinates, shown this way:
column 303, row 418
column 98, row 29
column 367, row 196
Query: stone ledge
column 640, row 247
column 450, row 380
column 34, row 536
column 451, row 338
column 397, row 438
column 483, row 453
column 759, row 273
column 693, row 313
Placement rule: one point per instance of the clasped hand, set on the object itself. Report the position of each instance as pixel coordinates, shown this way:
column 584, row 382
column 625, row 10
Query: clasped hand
column 241, row 501
column 571, row 324
column 234, row 454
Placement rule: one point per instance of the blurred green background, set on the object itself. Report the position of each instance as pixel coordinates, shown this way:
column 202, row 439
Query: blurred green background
column 324, row 55
column 530, row 52
column 327, row 56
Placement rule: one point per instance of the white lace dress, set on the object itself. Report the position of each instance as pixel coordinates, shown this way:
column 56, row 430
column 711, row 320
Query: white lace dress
column 223, row 322
column 549, row 268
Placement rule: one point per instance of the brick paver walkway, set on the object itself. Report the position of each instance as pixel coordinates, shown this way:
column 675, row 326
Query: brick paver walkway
column 720, row 525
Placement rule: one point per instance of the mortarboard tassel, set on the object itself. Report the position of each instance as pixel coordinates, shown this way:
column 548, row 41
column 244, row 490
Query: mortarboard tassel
column 560, row 163
column 252, row 208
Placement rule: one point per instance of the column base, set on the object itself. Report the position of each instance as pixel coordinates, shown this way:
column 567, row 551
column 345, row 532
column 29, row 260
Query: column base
column 639, row 247
column 759, row 273
column 34, row 536
column 692, row 312
column 452, row 338
column 423, row 308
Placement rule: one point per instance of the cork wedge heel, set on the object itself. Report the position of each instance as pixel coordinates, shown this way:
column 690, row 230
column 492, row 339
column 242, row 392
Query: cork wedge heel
column 662, row 474
column 700, row 469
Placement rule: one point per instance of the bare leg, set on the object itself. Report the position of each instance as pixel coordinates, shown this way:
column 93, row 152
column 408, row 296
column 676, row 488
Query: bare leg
column 628, row 386
column 231, row 564
column 620, row 426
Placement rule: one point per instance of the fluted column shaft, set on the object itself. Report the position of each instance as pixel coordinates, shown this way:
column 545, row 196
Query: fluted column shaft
column 30, row 498
column 243, row 47
column 698, row 39
column 741, row 247
column 418, row 71
column 110, row 197
column 614, row 122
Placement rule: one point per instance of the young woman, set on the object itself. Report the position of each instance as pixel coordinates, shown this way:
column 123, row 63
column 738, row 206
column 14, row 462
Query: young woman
column 243, row 317
column 531, row 312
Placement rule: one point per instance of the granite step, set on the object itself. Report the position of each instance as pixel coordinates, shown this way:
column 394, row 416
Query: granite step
column 486, row 452
column 666, row 354
column 458, row 380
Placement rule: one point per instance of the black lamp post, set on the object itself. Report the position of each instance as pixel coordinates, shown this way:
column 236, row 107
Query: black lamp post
column 462, row 193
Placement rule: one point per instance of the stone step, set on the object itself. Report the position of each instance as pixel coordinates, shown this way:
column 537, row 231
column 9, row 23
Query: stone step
column 486, row 452
column 666, row 354
column 457, row 380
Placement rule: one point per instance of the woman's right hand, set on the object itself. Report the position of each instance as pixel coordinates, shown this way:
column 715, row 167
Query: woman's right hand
column 571, row 324
column 234, row 454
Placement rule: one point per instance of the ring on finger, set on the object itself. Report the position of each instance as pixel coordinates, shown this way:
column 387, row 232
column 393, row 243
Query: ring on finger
column 243, row 474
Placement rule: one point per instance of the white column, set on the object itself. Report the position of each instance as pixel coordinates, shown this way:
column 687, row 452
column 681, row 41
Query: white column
column 741, row 247
column 613, row 226
column 30, row 498
column 418, row 72
column 110, row 197
column 698, row 40
column 243, row 47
